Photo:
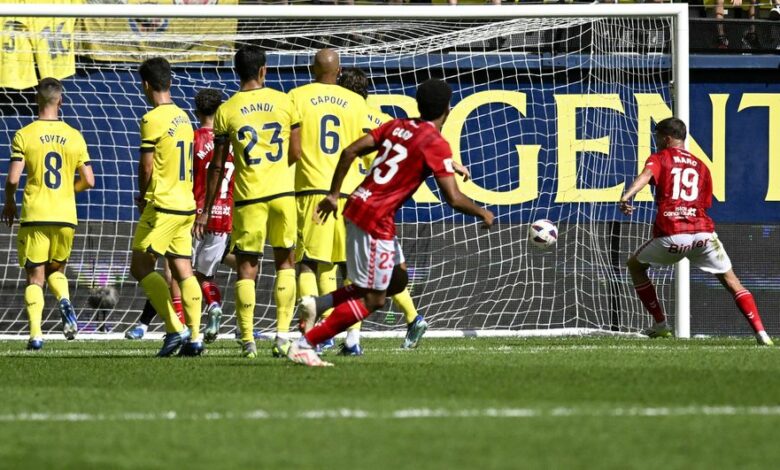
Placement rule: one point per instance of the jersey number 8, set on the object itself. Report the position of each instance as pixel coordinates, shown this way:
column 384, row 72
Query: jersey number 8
column 52, row 177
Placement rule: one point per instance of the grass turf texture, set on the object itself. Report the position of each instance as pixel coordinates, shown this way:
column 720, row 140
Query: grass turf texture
column 480, row 403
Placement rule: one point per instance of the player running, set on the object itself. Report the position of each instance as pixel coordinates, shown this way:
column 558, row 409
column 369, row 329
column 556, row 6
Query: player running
column 167, row 210
column 356, row 80
column 410, row 151
column 331, row 118
column 261, row 123
column 51, row 152
column 682, row 227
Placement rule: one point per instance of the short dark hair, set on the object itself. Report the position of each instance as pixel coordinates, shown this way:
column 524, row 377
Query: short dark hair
column 157, row 73
column 207, row 101
column 433, row 98
column 672, row 127
column 49, row 89
column 354, row 79
column 248, row 61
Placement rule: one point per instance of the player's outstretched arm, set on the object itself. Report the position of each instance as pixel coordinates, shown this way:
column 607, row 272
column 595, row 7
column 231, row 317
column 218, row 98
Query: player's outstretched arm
column 637, row 185
column 11, row 185
column 214, row 175
column 458, row 201
column 330, row 205
column 86, row 179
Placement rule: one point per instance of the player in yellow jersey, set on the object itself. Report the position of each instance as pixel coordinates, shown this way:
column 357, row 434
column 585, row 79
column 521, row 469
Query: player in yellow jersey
column 332, row 117
column 262, row 125
column 167, row 210
column 51, row 152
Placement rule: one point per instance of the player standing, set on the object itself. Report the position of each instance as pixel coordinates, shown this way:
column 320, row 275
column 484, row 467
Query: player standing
column 213, row 248
column 51, row 151
column 331, row 118
column 682, row 227
column 206, row 253
column 410, row 151
column 261, row 123
column 167, row 210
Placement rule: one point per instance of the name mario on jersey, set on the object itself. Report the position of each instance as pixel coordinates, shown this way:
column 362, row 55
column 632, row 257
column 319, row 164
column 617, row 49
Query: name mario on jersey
column 685, row 160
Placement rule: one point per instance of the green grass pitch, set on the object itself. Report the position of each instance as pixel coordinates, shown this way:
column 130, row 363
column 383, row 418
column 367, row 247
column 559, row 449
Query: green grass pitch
column 457, row 403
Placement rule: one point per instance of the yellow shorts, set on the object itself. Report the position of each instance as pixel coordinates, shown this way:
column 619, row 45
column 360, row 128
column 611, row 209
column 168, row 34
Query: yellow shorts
column 323, row 243
column 41, row 244
column 252, row 223
column 340, row 236
column 164, row 233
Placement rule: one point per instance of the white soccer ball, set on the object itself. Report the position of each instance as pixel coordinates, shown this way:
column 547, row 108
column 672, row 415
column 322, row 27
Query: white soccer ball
column 543, row 234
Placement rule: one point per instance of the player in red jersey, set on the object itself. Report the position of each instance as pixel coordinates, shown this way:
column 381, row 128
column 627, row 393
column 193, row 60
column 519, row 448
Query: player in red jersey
column 410, row 150
column 209, row 252
column 682, row 227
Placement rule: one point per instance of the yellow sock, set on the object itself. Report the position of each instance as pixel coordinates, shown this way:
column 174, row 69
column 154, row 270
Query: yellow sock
column 33, row 300
column 327, row 282
column 284, row 295
column 355, row 327
column 307, row 284
column 245, row 308
column 156, row 290
column 58, row 285
column 191, row 300
column 404, row 301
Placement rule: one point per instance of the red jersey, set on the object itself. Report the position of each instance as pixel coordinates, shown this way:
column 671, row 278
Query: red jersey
column 221, row 219
column 683, row 192
column 409, row 150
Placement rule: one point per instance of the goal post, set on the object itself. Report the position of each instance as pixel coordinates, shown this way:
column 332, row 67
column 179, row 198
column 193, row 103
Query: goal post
column 552, row 112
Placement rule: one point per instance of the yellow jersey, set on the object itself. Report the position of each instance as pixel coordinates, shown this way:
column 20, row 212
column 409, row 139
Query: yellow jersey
column 361, row 165
column 167, row 131
column 52, row 151
column 332, row 117
column 258, row 123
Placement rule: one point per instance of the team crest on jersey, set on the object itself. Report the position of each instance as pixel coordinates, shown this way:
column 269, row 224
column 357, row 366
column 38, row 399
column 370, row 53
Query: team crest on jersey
column 158, row 25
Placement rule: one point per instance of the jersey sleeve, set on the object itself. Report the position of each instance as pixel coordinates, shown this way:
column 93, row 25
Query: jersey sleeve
column 149, row 134
column 379, row 133
column 17, row 148
column 653, row 164
column 81, row 154
column 438, row 157
column 221, row 125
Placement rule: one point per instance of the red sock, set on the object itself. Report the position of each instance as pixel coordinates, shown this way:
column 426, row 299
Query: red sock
column 343, row 316
column 178, row 307
column 342, row 295
column 647, row 295
column 747, row 305
column 211, row 293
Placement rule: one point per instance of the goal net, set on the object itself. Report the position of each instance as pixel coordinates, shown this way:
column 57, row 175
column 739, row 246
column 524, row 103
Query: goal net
column 552, row 114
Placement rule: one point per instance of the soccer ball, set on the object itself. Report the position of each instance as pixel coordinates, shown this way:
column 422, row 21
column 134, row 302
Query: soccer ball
column 543, row 234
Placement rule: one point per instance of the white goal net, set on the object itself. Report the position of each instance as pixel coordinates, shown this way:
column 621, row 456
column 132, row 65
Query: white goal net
column 551, row 115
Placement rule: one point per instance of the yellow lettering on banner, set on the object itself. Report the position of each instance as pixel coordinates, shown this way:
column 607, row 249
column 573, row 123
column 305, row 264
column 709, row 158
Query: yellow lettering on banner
column 772, row 102
column 569, row 146
column 653, row 108
column 528, row 155
column 409, row 106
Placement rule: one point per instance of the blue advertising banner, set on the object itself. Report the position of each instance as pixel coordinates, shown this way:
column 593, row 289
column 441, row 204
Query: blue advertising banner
column 535, row 148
